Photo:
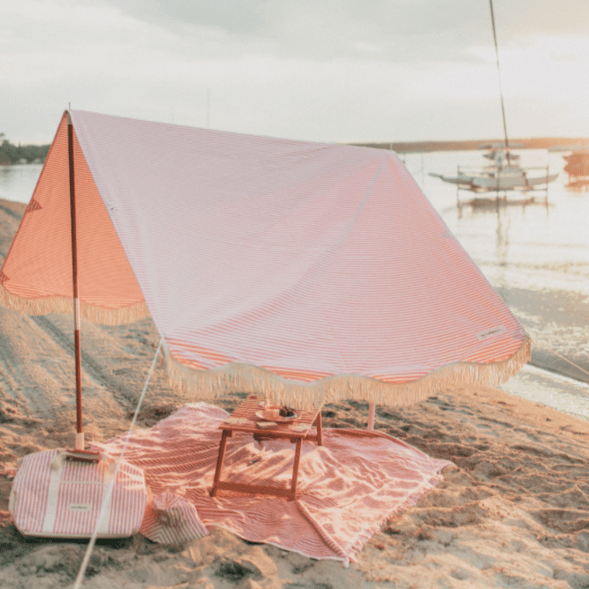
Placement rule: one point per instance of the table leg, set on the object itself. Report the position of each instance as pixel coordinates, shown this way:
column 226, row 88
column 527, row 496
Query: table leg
column 219, row 462
column 319, row 429
column 295, row 470
column 371, row 409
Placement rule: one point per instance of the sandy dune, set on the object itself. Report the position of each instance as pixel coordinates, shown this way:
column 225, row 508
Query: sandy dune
column 513, row 512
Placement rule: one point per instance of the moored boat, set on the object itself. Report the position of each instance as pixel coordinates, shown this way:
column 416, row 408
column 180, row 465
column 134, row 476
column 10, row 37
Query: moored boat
column 503, row 175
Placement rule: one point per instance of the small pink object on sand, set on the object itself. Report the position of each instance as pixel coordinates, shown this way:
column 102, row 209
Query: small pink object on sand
column 172, row 519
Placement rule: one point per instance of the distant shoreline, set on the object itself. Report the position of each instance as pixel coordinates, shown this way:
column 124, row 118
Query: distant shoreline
column 467, row 145
column 28, row 154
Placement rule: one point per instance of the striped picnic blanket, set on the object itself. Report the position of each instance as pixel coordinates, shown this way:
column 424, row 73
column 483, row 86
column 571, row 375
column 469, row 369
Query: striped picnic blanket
column 347, row 488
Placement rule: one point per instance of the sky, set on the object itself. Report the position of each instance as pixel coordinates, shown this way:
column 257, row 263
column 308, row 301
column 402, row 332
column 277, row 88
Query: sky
column 316, row 70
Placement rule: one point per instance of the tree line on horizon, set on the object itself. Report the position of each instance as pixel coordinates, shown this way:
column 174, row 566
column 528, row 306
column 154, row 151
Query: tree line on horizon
column 11, row 154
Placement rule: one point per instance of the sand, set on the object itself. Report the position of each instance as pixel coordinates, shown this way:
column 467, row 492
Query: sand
column 512, row 512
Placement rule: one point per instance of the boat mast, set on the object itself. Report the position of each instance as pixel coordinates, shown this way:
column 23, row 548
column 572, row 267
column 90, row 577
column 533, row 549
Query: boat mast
column 499, row 76
column 78, row 354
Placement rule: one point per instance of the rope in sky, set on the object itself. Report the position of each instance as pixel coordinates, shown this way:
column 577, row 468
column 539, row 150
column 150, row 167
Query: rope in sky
column 499, row 74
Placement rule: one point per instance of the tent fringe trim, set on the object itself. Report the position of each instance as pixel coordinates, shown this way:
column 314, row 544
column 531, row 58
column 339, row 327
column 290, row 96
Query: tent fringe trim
column 238, row 377
column 45, row 306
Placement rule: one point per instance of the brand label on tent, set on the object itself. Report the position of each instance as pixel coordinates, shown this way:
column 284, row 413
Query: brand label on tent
column 80, row 506
column 491, row 332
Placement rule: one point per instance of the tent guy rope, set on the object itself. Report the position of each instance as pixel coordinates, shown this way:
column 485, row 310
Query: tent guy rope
column 107, row 497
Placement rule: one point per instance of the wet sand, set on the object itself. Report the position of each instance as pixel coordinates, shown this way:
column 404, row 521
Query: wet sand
column 512, row 512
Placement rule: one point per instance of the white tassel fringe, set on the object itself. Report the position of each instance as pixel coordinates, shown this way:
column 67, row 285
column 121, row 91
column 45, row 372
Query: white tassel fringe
column 66, row 305
column 210, row 384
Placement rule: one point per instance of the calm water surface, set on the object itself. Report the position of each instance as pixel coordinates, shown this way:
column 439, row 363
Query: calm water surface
column 18, row 182
column 536, row 257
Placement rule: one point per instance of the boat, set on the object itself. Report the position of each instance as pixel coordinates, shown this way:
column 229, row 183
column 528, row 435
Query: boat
column 504, row 174
column 577, row 165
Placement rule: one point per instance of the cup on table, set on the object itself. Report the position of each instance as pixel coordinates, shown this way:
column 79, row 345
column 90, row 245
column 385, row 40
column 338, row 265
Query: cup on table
column 271, row 412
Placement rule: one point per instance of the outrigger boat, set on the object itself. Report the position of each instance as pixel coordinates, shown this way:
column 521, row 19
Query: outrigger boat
column 502, row 175
column 505, row 173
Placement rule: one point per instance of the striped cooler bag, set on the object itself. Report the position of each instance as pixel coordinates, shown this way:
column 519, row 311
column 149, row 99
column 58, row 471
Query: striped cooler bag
column 59, row 497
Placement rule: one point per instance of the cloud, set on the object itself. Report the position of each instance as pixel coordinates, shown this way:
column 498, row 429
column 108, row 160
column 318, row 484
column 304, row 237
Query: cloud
column 331, row 29
column 395, row 30
column 323, row 70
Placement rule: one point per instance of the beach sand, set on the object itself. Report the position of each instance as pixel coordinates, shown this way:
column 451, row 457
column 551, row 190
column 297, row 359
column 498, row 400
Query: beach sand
column 512, row 512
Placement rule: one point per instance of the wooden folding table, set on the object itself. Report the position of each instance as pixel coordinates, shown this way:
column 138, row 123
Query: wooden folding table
column 294, row 430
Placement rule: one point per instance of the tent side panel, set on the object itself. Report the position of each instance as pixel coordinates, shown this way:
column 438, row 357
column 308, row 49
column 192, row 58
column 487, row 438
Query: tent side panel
column 36, row 276
column 106, row 278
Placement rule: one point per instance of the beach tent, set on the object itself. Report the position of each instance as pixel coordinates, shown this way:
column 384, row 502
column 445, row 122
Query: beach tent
column 308, row 272
column 311, row 272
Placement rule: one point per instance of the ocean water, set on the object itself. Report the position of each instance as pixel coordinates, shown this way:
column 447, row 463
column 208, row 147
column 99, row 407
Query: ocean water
column 535, row 256
column 18, row 182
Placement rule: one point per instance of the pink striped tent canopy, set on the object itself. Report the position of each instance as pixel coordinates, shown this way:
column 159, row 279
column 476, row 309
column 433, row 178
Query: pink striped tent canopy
column 312, row 272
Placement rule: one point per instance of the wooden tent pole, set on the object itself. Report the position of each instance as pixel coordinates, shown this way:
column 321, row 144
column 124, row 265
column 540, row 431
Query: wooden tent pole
column 78, row 352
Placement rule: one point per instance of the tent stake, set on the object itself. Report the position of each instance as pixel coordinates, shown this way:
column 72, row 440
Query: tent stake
column 78, row 354
column 371, row 409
